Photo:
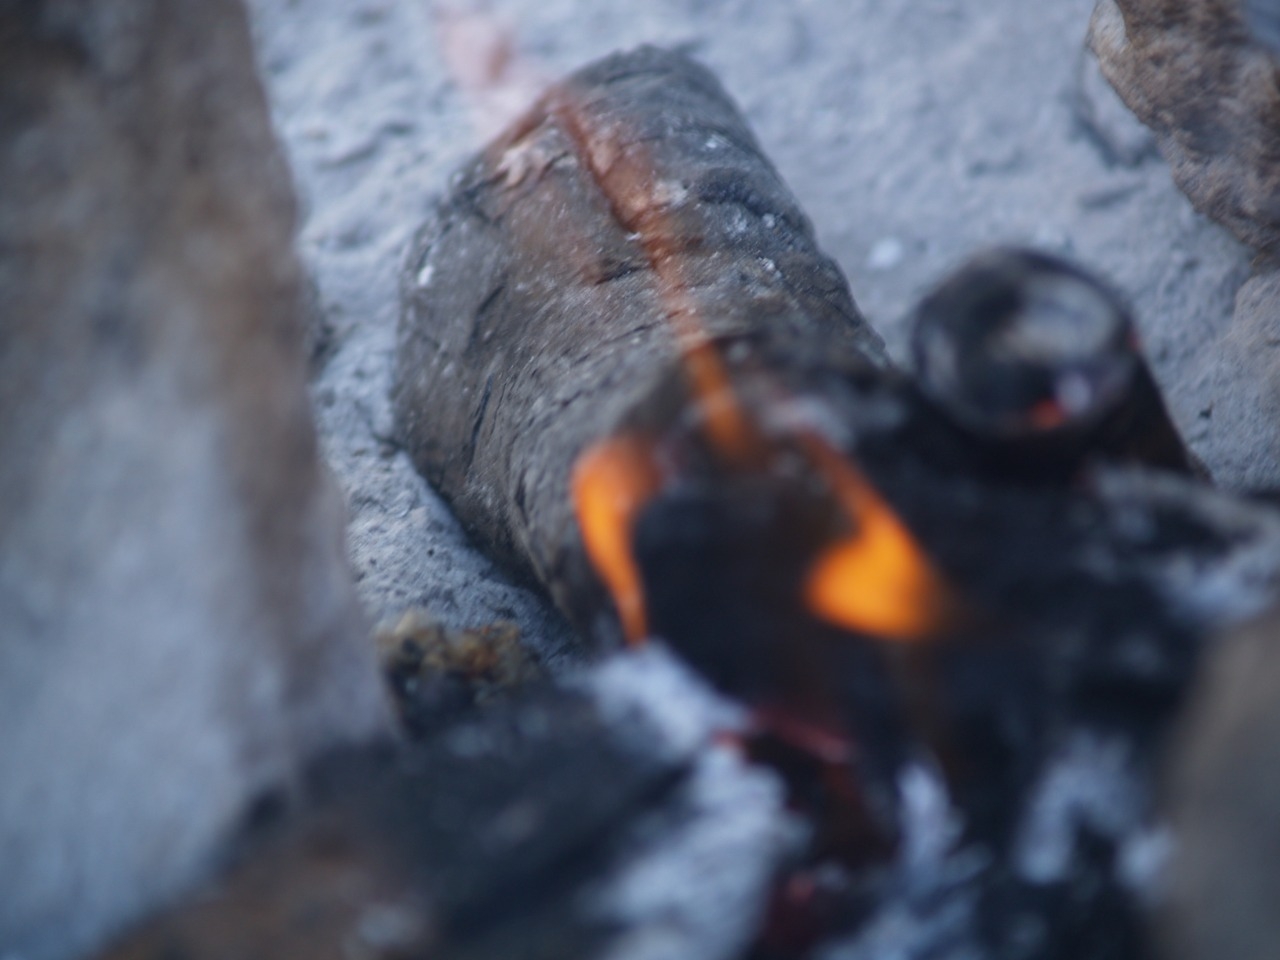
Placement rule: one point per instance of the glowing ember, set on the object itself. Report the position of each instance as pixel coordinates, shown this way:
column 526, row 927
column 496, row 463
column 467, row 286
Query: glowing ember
column 1048, row 414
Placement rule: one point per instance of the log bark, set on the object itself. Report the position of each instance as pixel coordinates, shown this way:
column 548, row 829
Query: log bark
column 535, row 309
column 557, row 302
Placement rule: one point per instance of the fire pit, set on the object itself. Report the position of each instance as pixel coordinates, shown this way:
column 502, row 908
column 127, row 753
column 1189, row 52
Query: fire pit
column 854, row 647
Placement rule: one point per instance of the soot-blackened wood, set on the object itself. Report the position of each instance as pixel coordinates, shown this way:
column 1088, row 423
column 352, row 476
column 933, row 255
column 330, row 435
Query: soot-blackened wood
column 536, row 301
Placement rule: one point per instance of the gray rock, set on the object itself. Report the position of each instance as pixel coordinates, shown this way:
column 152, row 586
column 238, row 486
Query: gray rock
column 1245, row 374
column 178, row 629
column 1196, row 76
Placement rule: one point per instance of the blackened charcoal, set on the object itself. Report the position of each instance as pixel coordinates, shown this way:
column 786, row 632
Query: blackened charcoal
column 1039, row 362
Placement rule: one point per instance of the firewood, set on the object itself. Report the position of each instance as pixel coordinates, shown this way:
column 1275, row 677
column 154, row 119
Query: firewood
column 535, row 302
column 624, row 362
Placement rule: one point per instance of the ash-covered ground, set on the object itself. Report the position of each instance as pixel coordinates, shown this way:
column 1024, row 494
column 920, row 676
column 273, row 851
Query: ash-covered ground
column 913, row 134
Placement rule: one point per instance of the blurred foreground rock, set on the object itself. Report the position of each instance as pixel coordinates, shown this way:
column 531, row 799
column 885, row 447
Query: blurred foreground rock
column 568, row 823
column 1226, row 790
column 177, row 627
column 1203, row 76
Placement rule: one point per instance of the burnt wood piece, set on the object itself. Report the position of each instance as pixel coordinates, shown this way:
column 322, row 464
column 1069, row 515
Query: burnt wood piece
column 537, row 321
column 536, row 300
column 1039, row 362
column 1195, row 75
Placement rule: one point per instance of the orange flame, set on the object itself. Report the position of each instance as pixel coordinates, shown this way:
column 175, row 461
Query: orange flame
column 876, row 580
column 612, row 481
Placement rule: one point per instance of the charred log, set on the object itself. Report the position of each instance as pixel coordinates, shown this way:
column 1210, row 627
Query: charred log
column 535, row 301
column 1039, row 362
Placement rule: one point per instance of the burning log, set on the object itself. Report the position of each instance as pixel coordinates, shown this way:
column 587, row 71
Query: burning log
column 628, row 368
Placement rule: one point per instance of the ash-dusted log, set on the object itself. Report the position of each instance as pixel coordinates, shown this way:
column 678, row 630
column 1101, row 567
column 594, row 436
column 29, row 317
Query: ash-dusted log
column 178, row 627
column 538, row 301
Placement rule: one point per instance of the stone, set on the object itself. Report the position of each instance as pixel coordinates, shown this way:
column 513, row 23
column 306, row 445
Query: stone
column 178, row 628
column 1245, row 373
column 1192, row 73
